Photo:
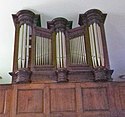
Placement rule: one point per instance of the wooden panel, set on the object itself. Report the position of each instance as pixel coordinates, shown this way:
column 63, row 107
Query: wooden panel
column 2, row 101
column 64, row 114
column 63, row 100
column 28, row 100
column 5, row 101
column 32, row 103
column 122, row 97
column 96, row 114
column 95, row 99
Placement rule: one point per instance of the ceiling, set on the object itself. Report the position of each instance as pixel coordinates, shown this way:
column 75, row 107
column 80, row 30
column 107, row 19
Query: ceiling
column 49, row 9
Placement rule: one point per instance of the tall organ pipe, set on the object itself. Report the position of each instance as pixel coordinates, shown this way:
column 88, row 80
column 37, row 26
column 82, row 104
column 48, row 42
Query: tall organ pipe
column 23, row 49
column 60, row 50
column 96, row 45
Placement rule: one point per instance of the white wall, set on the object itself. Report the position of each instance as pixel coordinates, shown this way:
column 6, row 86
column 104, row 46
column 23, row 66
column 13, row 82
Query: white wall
column 49, row 9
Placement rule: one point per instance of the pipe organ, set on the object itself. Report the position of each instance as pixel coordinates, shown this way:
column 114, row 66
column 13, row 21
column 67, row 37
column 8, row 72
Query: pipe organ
column 60, row 52
column 60, row 71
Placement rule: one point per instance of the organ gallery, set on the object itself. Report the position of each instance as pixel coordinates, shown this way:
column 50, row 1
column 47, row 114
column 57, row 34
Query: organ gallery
column 61, row 71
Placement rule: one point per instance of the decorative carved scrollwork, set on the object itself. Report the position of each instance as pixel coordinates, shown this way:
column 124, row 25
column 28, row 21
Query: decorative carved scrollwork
column 22, row 76
column 93, row 15
column 75, row 32
column 59, row 24
column 25, row 17
column 42, row 32
column 102, row 74
column 62, row 75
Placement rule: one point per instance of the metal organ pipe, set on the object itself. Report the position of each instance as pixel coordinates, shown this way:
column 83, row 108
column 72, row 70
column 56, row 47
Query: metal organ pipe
column 20, row 47
column 27, row 45
column 82, row 50
column 43, row 51
column 64, row 49
column 60, row 50
column 96, row 45
column 100, row 45
column 49, row 52
column 36, row 50
column 24, row 45
column 77, row 50
column 57, row 51
column 93, row 51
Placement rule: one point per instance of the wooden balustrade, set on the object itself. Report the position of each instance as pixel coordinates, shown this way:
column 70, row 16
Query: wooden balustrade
column 63, row 100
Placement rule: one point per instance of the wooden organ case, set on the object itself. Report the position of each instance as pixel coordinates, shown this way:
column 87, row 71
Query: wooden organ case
column 60, row 53
column 60, row 71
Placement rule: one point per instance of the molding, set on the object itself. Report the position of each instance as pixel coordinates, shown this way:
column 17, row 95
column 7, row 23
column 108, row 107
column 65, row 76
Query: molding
column 91, row 16
column 102, row 74
column 59, row 24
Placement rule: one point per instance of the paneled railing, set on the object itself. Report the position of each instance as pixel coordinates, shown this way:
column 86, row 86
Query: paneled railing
column 63, row 100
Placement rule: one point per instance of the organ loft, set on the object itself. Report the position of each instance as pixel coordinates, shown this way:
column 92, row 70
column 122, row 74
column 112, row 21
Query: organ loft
column 60, row 71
